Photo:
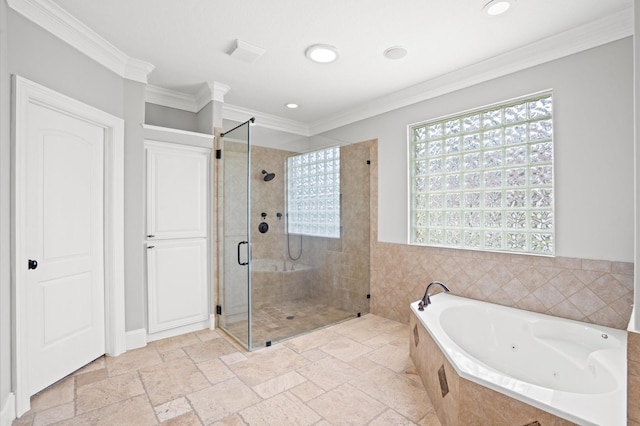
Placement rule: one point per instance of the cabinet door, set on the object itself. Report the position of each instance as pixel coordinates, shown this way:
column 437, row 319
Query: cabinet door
column 177, row 187
column 177, row 276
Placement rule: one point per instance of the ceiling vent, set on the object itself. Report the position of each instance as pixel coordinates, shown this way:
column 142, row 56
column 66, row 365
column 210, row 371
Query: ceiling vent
column 245, row 52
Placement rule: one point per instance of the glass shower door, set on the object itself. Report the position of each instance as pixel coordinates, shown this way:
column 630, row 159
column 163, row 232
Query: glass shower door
column 233, row 230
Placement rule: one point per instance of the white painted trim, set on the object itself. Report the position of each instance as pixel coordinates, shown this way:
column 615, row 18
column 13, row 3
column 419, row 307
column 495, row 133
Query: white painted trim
column 8, row 413
column 269, row 121
column 170, row 98
column 211, row 92
column 218, row 91
column 53, row 18
column 205, row 95
column 26, row 92
column 202, row 325
column 136, row 339
column 193, row 103
column 167, row 134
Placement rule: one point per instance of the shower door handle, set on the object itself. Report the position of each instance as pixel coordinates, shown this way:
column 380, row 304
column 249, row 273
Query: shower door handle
column 239, row 261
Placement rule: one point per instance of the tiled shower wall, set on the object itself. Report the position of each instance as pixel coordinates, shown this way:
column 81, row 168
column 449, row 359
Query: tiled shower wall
column 340, row 276
column 633, row 379
column 345, row 268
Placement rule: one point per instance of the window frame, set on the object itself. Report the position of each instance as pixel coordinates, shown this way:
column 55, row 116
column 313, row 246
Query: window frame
column 419, row 216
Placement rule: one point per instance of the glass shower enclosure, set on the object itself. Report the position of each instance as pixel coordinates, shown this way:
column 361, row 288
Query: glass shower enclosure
column 276, row 281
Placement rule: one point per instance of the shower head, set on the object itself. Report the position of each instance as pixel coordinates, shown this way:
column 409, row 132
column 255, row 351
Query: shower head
column 268, row 176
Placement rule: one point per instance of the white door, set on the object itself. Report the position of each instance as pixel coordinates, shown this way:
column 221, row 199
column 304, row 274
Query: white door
column 177, row 235
column 64, row 235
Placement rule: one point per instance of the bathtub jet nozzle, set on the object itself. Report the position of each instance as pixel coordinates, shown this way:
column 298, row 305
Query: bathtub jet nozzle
column 426, row 300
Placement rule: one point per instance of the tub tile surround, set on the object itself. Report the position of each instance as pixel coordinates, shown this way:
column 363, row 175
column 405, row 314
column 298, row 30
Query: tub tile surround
column 593, row 291
column 467, row 402
column 355, row 372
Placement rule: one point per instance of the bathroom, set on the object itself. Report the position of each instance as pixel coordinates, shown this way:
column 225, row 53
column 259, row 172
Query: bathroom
column 591, row 279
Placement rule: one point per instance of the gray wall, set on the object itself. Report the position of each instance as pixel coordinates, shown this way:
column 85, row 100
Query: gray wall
column 158, row 115
column 38, row 56
column 201, row 122
column 594, row 148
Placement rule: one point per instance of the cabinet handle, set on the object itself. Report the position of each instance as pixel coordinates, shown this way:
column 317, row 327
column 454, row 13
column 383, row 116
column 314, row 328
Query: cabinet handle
column 240, row 262
column 150, row 247
column 151, row 236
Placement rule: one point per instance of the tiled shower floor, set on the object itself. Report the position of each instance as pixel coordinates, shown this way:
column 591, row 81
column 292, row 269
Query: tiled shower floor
column 288, row 319
column 357, row 372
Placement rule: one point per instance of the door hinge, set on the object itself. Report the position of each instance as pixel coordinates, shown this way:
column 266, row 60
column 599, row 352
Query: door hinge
column 219, row 309
column 218, row 154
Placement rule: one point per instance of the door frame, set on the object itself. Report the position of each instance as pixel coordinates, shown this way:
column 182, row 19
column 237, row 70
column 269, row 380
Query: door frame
column 26, row 92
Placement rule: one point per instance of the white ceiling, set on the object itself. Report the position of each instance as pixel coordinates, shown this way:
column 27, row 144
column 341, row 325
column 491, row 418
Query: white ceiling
column 187, row 41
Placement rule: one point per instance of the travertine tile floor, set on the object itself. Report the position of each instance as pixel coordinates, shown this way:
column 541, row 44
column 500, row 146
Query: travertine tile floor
column 354, row 373
column 290, row 318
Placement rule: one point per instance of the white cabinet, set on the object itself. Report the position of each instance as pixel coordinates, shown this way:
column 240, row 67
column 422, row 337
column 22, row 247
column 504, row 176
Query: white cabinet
column 177, row 283
column 177, row 243
column 177, row 186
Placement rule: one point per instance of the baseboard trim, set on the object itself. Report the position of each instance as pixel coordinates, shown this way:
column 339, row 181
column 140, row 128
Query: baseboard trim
column 136, row 339
column 8, row 413
column 178, row 330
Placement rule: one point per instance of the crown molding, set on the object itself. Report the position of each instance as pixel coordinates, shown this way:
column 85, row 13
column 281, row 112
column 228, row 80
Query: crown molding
column 63, row 25
column 605, row 30
column 193, row 103
column 137, row 70
column 211, row 91
column 269, row 121
column 170, row 98
column 204, row 95
column 219, row 91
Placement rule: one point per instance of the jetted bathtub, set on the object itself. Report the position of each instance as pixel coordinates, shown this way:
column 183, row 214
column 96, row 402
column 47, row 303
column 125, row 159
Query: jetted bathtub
column 574, row 370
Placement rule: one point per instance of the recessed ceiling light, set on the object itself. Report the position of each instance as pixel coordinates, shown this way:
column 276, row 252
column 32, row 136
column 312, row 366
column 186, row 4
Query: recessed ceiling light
column 395, row 52
column 322, row 53
column 497, row 7
column 291, row 105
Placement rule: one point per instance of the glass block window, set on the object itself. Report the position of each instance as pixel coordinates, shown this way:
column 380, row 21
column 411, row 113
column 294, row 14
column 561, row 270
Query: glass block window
column 313, row 193
column 483, row 180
